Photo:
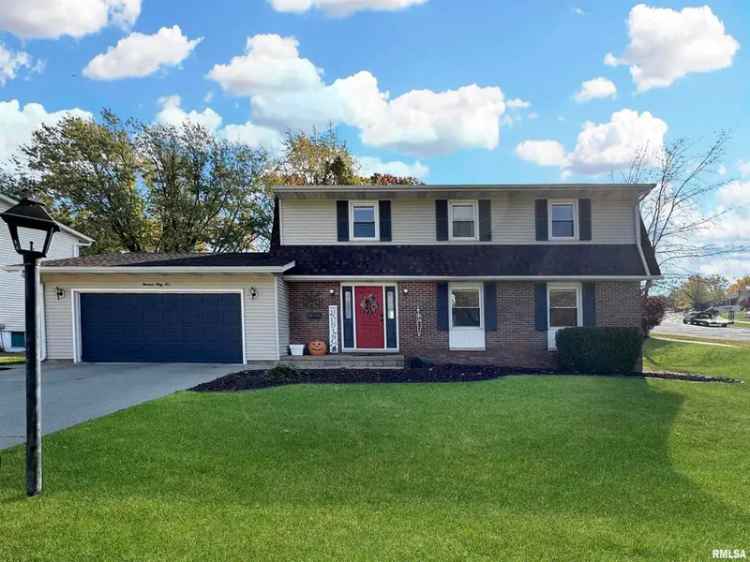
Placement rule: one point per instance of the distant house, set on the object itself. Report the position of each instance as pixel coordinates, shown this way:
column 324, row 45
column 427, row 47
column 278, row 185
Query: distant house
column 65, row 244
column 453, row 274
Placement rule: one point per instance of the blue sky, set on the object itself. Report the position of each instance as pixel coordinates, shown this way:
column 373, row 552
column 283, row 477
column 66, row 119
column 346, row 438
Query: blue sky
column 458, row 92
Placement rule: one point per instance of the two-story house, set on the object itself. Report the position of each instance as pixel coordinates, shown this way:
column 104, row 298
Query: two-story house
column 66, row 244
column 471, row 274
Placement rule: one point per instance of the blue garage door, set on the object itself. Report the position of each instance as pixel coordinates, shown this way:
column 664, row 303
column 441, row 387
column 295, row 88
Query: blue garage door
column 165, row 327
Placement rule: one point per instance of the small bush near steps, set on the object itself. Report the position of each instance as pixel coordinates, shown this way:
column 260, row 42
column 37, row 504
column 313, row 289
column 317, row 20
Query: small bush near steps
column 282, row 374
column 599, row 350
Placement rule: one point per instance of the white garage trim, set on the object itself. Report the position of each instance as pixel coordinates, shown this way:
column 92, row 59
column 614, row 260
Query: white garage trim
column 75, row 303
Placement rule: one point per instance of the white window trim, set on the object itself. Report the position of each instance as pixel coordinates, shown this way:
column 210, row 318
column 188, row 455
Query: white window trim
column 458, row 286
column 376, row 206
column 463, row 202
column 550, row 204
column 552, row 330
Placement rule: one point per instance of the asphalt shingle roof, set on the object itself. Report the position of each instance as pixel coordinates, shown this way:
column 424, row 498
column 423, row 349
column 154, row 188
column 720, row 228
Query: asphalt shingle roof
column 415, row 260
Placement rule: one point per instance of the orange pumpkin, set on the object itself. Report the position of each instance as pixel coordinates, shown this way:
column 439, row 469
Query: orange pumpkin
column 317, row 347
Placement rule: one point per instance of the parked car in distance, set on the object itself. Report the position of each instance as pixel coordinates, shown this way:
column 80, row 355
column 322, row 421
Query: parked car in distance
column 708, row 318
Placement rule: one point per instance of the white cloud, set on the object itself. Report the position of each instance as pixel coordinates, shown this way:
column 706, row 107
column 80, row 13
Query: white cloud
column 735, row 194
column 369, row 165
column 543, row 152
column 254, row 136
column 17, row 124
column 271, row 65
column 722, row 169
column 579, row 11
column 744, row 168
column 287, row 91
column 139, row 55
column 13, row 61
column 517, row 103
column 601, row 147
column 172, row 113
column 50, row 19
column 666, row 45
column 596, row 88
column 342, row 8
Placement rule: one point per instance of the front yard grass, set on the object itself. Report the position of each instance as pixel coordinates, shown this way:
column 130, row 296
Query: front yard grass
column 518, row 468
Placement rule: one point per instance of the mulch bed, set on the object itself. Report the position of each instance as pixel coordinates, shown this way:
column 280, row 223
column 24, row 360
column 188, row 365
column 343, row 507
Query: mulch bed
column 252, row 380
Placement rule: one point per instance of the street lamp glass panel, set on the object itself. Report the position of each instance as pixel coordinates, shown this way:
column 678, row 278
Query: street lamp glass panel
column 32, row 239
column 31, row 228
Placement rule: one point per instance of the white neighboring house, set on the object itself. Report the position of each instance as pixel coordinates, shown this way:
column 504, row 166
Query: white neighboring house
column 65, row 244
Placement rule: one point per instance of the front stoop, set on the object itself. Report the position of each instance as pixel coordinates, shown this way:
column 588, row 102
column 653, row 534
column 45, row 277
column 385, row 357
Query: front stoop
column 336, row 361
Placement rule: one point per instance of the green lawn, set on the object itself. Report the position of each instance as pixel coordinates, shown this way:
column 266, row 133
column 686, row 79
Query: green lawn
column 520, row 468
column 12, row 358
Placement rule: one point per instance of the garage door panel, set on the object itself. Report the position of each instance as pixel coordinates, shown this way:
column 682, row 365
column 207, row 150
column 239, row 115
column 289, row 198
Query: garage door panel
column 169, row 327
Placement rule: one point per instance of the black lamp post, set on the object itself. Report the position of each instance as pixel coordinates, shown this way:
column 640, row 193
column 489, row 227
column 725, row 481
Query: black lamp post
column 29, row 223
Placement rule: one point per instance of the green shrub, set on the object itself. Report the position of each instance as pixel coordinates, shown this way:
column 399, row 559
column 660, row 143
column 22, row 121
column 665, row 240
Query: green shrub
column 282, row 374
column 599, row 350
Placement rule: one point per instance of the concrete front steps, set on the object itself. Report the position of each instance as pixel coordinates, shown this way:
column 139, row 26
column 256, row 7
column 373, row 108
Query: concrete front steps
column 336, row 361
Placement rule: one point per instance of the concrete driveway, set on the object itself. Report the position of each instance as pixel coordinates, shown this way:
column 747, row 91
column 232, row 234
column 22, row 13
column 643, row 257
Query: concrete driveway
column 74, row 394
column 672, row 326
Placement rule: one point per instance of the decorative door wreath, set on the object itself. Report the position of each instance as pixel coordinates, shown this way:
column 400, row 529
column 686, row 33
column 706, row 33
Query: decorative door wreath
column 369, row 305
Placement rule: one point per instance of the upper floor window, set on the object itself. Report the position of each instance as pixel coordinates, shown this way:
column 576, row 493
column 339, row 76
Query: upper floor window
column 463, row 220
column 364, row 220
column 563, row 220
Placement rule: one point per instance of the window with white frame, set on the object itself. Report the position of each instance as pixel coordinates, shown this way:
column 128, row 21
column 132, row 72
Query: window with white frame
column 364, row 220
column 564, row 307
column 466, row 307
column 563, row 221
column 463, row 220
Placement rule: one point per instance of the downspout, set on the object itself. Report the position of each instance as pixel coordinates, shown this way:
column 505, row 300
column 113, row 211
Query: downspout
column 639, row 241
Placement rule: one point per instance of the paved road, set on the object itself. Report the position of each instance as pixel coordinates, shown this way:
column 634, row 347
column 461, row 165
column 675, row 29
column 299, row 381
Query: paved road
column 672, row 325
column 71, row 395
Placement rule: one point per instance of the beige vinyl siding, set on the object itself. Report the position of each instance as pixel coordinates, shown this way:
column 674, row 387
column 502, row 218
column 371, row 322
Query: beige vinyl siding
column 612, row 220
column 313, row 221
column 308, row 221
column 260, row 313
column 283, row 315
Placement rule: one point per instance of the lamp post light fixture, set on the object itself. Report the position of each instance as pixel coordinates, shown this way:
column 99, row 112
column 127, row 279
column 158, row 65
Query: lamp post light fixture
column 30, row 224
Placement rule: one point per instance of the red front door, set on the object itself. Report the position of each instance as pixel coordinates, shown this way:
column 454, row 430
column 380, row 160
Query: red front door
column 368, row 304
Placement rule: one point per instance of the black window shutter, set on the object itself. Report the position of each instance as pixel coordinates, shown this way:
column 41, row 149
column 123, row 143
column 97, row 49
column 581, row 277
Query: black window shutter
column 442, row 307
column 342, row 220
column 540, row 212
column 584, row 209
column 485, row 220
column 441, row 219
column 589, row 305
column 540, row 306
column 490, row 306
column 384, row 212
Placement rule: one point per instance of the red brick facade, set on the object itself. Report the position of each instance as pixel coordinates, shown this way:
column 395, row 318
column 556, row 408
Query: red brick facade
column 308, row 310
column 516, row 342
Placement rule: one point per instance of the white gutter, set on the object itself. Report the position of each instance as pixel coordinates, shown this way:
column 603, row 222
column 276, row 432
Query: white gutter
column 470, row 277
column 158, row 269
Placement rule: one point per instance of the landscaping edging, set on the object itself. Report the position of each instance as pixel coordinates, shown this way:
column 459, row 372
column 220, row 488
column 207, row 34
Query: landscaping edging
column 257, row 379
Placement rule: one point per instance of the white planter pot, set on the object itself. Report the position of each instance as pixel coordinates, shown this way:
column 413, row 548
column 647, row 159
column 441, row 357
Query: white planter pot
column 296, row 349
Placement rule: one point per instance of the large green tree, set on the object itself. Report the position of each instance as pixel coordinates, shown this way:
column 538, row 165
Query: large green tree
column 136, row 187
column 203, row 193
column 88, row 172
